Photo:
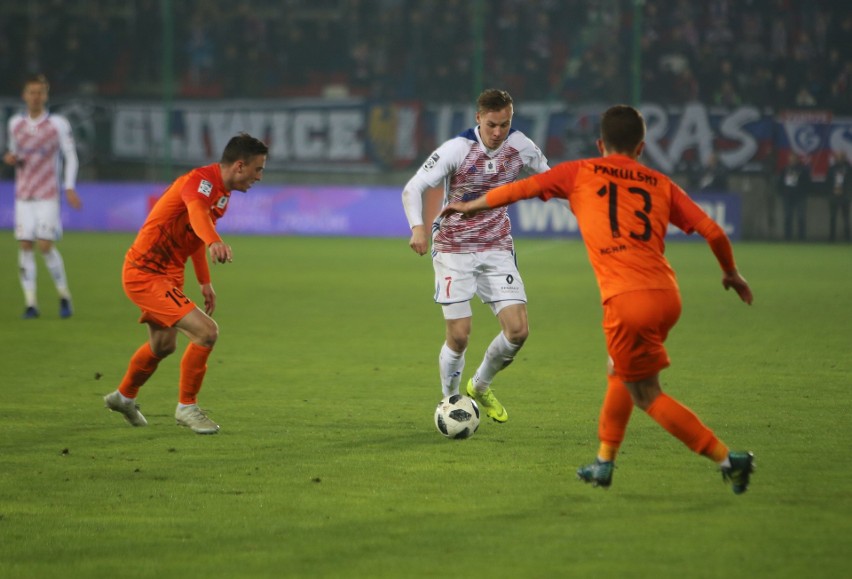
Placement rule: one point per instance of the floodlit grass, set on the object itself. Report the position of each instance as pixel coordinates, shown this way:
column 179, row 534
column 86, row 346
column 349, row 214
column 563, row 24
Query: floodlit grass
column 328, row 463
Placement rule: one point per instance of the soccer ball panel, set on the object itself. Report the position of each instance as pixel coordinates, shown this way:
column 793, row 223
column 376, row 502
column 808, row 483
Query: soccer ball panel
column 457, row 416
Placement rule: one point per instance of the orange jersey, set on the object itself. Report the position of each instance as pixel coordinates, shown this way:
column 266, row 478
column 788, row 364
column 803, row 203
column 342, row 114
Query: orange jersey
column 623, row 209
column 172, row 232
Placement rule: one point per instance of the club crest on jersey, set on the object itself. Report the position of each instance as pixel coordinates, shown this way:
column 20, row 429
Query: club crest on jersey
column 205, row 188
column 431, row 162
column 490, row 167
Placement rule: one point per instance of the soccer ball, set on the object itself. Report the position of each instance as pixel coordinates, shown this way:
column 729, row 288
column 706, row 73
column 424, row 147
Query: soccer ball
column 457, row 416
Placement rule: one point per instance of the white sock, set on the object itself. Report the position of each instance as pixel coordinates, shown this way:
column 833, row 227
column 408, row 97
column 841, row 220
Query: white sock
column 56, row 267
column 499, row 354
column 450, row 365
column 27, row 275
column 726, row 463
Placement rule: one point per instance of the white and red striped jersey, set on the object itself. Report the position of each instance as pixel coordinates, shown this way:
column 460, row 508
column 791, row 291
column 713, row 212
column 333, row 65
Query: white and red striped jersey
column 468, row 170
column 40, row 146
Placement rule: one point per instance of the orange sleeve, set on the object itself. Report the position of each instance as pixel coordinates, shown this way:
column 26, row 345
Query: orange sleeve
column 718, row 242
column 199, row 218
column 200, row 265
column 511, row 192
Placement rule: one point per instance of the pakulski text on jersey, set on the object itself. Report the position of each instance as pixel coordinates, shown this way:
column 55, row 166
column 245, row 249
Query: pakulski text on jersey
column 629, row 174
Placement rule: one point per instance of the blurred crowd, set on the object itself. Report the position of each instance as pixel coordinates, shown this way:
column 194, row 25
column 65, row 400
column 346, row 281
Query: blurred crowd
column 773, row 53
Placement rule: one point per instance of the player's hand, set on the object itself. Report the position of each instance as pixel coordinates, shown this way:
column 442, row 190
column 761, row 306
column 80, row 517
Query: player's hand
column 10, row 159
column 209, row 298
column 457, row 207
column 221, row 252
column 419, row 241
column 740, row 285
column 73, row 199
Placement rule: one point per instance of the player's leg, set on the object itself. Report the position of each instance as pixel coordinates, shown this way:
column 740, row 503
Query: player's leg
column 499, row 354
column 504, row 347
column 451, row 358
column 27, row 272
column 25, row 234
column 612, row 424
column 143, row 363
column 645, row 320
column 48, row 232
column 202, row 332
column 499, row 284
column 454, row 288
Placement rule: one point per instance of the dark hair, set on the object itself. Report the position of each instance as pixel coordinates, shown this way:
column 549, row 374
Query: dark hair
column 493, row 99
column 36, row 78
column 622, row 129
column 243, row 147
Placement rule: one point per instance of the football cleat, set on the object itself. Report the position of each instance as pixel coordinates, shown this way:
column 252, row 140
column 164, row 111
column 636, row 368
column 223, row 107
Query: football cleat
column 129, row 409
column 739, row 473
column 493, row 409
column 194, row 417
column 30, row 313
column 599, row 473
column 65, row 309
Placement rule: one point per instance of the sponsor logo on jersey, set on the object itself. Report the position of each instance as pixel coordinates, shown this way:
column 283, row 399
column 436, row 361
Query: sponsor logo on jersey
column 223, row 202
column 205, row 188
column 490, row 167
column 431, row 162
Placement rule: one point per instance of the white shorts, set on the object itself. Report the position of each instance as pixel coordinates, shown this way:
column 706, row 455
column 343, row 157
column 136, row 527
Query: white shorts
column 491, row 275
column 37, row 220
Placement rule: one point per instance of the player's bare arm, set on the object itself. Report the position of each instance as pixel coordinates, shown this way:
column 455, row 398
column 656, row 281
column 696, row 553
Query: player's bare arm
column 10, row 159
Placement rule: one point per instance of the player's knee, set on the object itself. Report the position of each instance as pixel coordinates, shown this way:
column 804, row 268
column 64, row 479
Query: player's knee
column 163, row 350
column 457, row 341
column 209, row 335
column 518, row 336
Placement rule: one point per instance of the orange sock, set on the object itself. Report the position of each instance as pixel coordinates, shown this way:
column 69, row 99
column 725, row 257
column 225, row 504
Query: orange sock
column 193, row 366
column 615, row 414
column 143, row 363
column 684, row 425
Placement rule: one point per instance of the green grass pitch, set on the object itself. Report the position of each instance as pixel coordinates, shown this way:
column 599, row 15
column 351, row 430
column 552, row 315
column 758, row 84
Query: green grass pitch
column 328, row 464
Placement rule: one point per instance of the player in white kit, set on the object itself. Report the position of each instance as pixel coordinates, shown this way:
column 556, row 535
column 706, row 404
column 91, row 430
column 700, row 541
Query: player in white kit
column 475, row 256
column 38, row 142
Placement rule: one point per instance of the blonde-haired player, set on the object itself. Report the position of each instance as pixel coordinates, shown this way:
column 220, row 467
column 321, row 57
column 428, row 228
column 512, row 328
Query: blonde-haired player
column 38, row 143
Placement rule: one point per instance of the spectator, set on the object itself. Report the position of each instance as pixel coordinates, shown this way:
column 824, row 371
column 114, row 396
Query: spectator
column 839, row 183
column 794, row 187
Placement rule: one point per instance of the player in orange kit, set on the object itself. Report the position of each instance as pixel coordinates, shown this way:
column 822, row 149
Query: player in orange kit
column 623, row 209
column 182, row 225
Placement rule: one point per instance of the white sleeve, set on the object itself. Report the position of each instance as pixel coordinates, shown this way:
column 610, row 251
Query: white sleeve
column 441, row 163
column 412, row 200
column 69, row 152
column 534, row 160
column 11, row 145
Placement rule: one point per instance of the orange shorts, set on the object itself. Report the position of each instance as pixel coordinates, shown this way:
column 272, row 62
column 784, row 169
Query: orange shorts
column 636, row 325
column 160, row 297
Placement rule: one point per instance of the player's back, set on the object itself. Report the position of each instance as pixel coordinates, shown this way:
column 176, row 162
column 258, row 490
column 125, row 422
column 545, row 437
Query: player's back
column 623, row 209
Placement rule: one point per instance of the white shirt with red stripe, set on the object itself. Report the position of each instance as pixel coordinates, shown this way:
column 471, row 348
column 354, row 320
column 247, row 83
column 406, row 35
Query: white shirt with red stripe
column 41, row 145
column 468, row 170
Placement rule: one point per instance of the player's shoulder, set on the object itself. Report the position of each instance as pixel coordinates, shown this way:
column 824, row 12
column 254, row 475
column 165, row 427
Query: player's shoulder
column 59, row 121
column 451, row 152
column 16, row 119
column 206, row 177
column 522, row 143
